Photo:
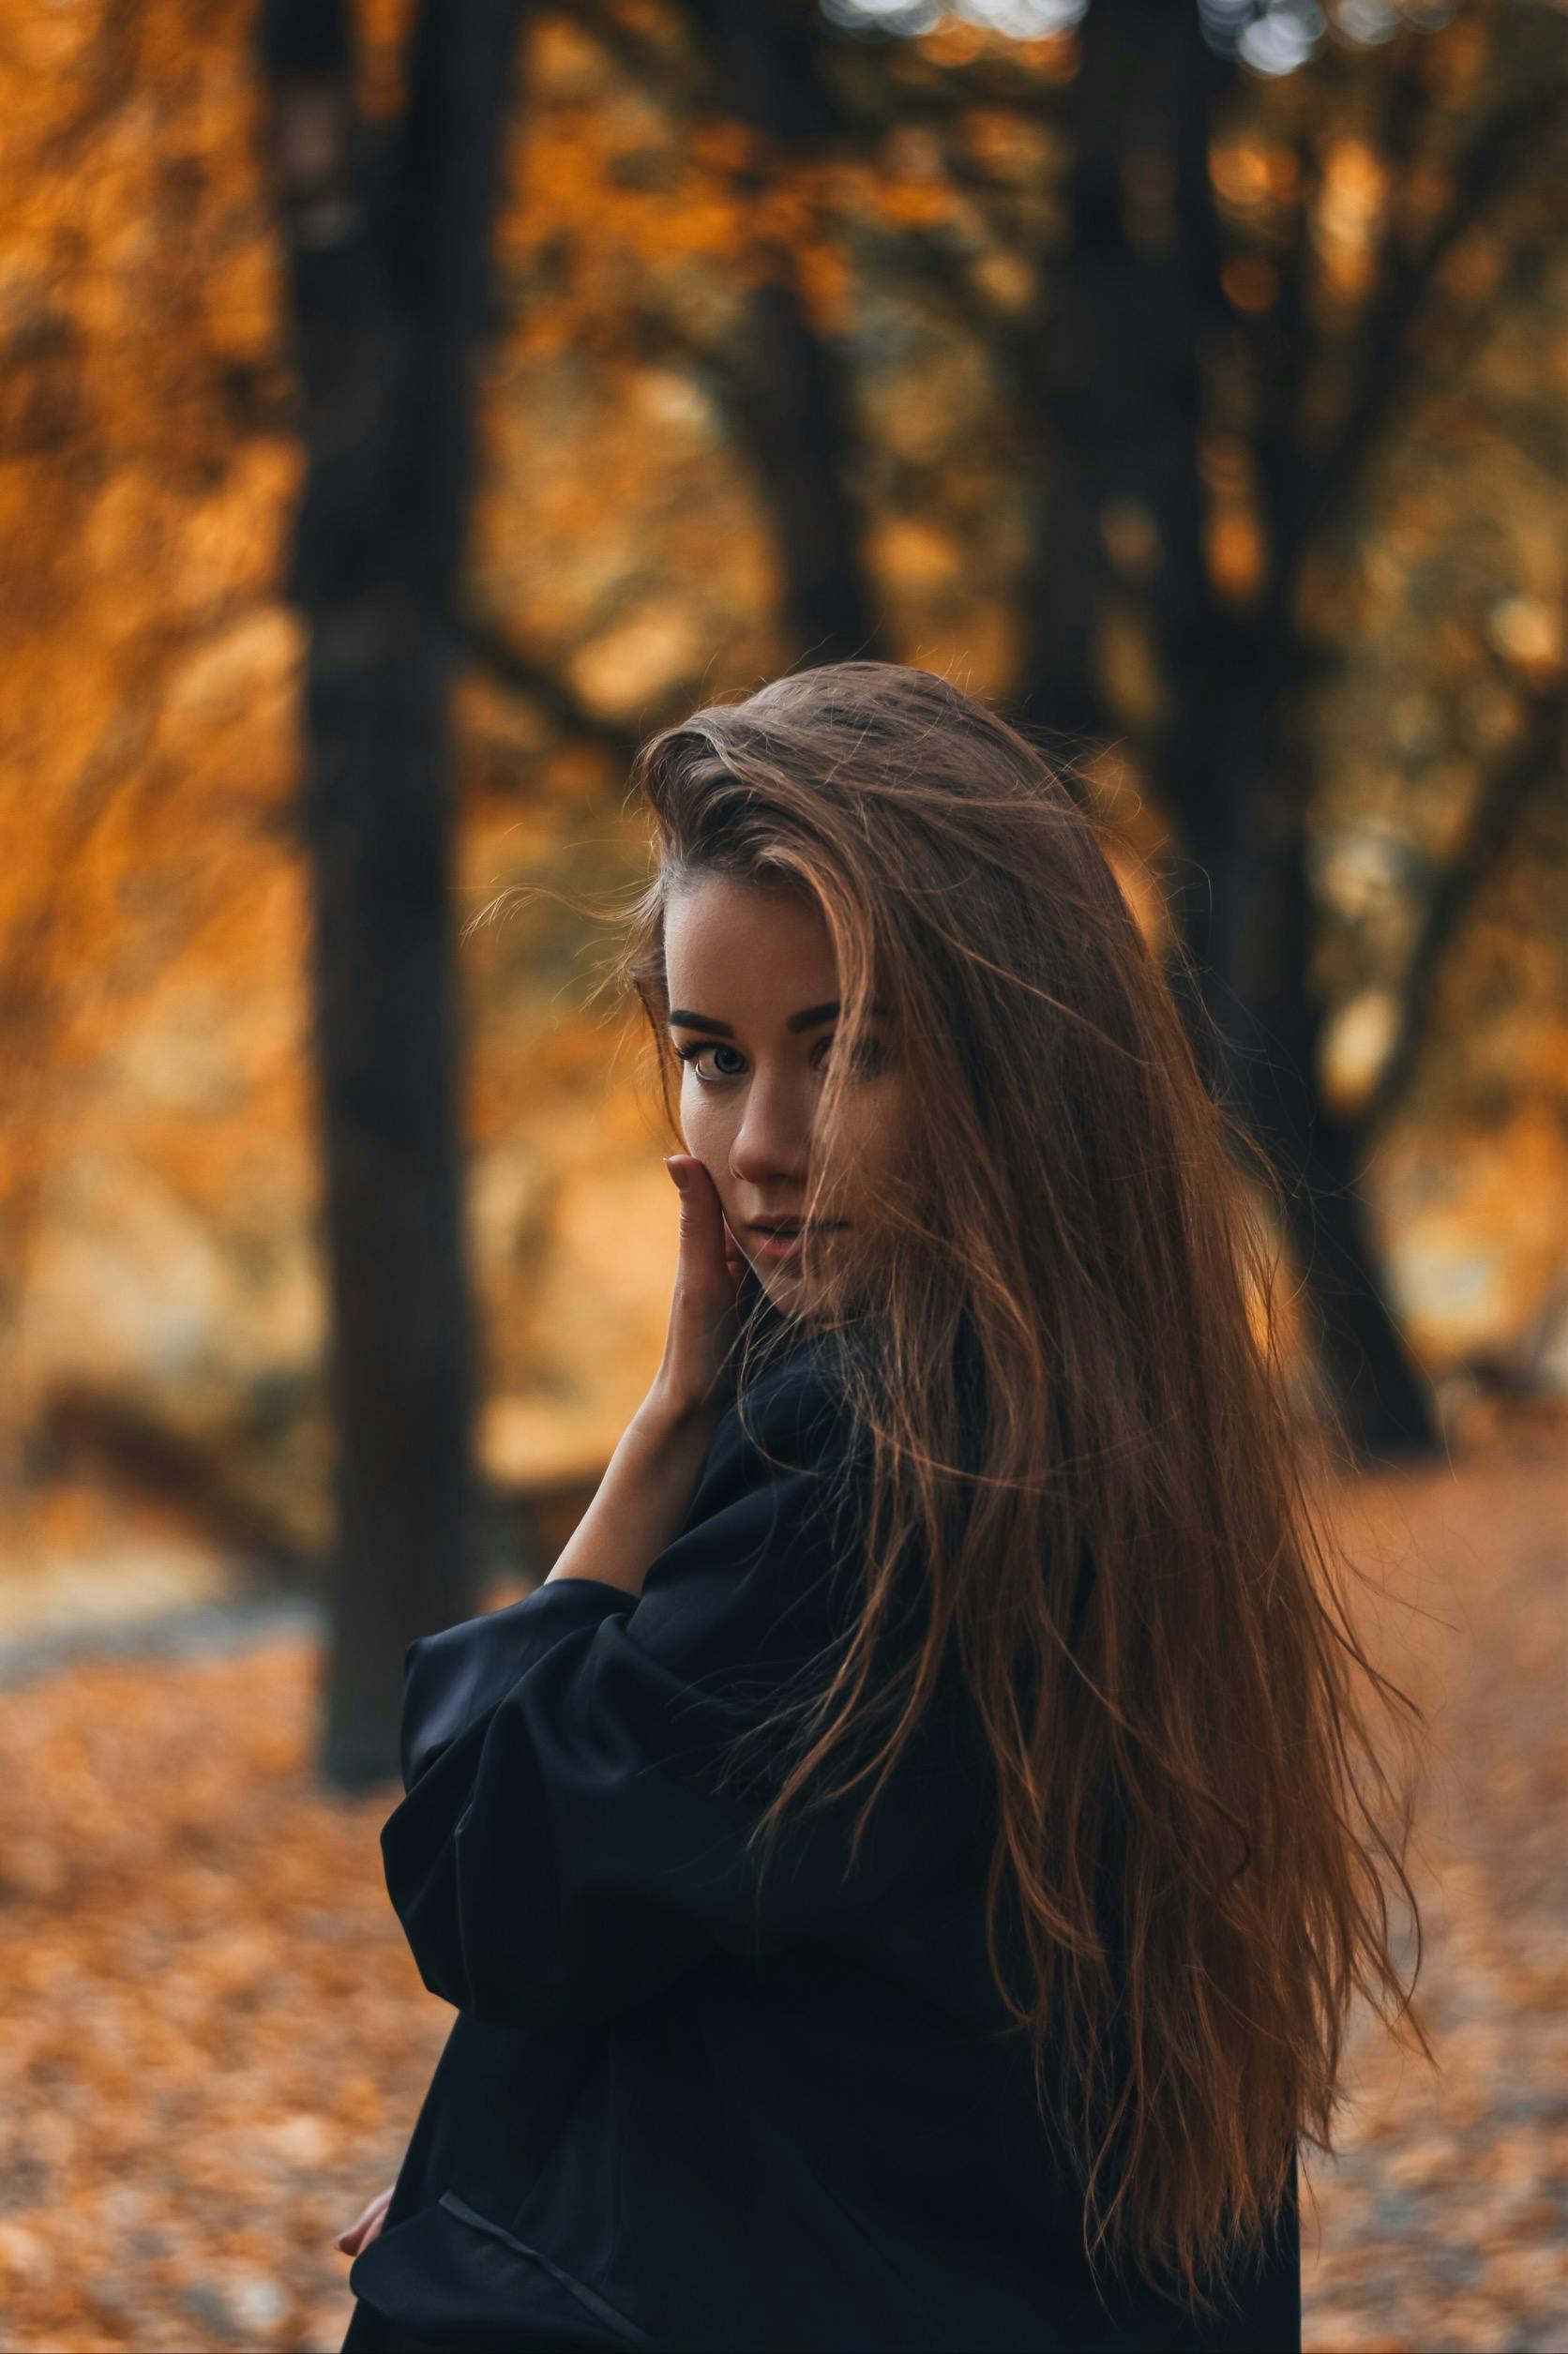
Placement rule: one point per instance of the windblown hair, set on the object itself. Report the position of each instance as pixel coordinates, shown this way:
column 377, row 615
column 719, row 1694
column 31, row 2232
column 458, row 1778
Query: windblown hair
column 1083, row 1434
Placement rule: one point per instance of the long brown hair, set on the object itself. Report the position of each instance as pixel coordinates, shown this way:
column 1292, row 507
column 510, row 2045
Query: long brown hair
column 1125, row 1551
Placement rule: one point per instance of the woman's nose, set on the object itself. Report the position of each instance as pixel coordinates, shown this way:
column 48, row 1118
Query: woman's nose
column 774, row 1136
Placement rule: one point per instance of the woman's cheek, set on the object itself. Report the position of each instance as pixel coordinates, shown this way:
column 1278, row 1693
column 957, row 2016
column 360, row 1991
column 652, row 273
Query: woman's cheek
column 701, row 1131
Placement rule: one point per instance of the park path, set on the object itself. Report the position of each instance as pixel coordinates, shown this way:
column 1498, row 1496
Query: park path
column 1444, row 2221
column 215, row 2040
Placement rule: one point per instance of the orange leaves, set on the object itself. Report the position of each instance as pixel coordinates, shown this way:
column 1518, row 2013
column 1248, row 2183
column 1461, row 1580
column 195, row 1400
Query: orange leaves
column 1347, row 218
column 1236, row 554
column 1247, row 174
column 591, row 229
column 1249, row 281
column 1528, row 633
column 216, row 2043
column 218, row 2039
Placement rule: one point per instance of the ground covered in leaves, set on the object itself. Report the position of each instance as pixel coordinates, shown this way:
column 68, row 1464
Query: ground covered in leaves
column 216, row 2042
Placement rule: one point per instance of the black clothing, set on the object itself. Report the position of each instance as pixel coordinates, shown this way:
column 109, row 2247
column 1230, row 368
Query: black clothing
column 668, row 2115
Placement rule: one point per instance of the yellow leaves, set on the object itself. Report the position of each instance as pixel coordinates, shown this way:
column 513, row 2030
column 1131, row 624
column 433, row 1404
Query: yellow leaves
column 1477, row 1255
column 1354, row 183
column 244, row 301
column 1008, row 281
column 954, row 42
column 957, row 41
column 1246, row 175
column 565, row 186
column 1348, row 216
column 1354, row 1046
column 563, row 61
column 726, row 197
column 230, row 675
column 913, row 204
column 381, row 27
column 1127, row 662
column 825, row 286
column 723, row 143
column 48, row 73
column 1236, row 553
column 637, row 663
column 910, row 550
column 905, row 184
column 1454, row 59
column 717, row 190
column 999, row 138
column 786, row 216
column 1528, row 633
column 1235, row 545
column 1238, row 174
column 1250, row 282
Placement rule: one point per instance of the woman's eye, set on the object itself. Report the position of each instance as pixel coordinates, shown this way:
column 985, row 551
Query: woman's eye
column 870, row 1060
column 706, row 1046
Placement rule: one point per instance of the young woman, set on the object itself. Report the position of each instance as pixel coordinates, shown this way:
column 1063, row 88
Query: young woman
column 902, row 1877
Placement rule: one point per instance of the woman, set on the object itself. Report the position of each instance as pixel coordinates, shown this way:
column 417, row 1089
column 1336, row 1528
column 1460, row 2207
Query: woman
column 900, row 1877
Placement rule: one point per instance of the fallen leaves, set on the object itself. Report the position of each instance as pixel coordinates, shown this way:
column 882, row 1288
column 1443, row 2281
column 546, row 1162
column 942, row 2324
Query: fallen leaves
column 216, row 2042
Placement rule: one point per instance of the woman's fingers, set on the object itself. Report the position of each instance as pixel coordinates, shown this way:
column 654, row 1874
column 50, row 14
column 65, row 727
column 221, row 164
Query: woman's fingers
column 707, row 1242
column 707, row 1279
column 365, row 2226
column 362, row 2228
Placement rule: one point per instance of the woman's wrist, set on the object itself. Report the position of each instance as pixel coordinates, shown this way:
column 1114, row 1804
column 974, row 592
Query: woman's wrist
column 643, row 1497
column 666, row 1422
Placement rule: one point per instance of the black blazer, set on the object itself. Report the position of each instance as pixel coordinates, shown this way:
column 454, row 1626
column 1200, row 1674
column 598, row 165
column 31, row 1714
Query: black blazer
column 670, row 2115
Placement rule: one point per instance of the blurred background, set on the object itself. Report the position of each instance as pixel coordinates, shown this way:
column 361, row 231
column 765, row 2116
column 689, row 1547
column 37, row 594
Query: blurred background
column 405, row 410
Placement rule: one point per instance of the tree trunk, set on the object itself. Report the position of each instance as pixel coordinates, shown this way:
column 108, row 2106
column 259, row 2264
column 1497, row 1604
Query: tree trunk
column 770, row 81
column 388, row 247
column 1125, row 388
column 1116, row 355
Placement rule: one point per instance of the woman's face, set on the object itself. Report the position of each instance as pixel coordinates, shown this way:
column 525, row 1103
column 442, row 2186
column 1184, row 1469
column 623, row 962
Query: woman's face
column 753, row 1005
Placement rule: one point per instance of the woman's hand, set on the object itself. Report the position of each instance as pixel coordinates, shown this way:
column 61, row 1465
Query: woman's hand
column 364, row 2228
column 647, row 1489
column 694, row 1384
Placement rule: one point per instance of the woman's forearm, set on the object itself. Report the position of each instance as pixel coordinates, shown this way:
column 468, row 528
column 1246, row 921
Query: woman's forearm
column 641, row 1500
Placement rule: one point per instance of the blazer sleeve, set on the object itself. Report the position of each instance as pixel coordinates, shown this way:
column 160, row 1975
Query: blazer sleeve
column 570, row 1839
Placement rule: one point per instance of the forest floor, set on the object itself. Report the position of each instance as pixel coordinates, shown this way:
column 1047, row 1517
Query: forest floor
column 216, row 2042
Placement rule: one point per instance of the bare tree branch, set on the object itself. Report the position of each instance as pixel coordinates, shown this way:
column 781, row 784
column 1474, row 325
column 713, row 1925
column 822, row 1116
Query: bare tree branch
column 490, row 652
column 1500, row 160
column 1534, row 762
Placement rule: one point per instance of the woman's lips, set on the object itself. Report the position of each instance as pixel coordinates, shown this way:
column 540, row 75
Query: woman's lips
column 786, row 1244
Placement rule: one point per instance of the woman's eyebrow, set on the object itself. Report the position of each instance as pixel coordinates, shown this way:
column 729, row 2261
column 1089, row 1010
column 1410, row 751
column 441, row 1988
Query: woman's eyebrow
column 681, row 1017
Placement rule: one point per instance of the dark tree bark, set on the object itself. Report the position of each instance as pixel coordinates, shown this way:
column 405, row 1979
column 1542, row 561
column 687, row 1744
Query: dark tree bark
column 1116, row 374
column 768, row 76
column 1122, row 386
column 389, row 252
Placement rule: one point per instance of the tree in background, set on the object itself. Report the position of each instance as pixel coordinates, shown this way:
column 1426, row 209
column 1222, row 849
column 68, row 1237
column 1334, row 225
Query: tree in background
column 388, row 242
column 767, row 63
column 1214, row 403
